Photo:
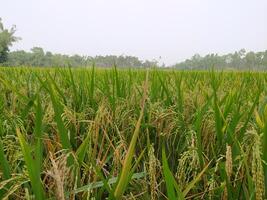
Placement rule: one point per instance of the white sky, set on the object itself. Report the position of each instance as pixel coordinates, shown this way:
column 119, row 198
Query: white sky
column 172, row 29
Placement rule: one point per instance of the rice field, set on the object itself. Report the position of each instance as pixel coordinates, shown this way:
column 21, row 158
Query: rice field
column 132, row 134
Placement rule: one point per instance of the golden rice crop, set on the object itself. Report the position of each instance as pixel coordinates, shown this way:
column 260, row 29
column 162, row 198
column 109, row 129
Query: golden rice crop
column 89, row 133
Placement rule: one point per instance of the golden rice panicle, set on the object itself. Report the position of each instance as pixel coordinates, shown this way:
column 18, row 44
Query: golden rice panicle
column 152, row 173
column 188, row 163
column 212, row 180
column 257, row 171
column 229, row 163
column 228, row 167
column 59, row 172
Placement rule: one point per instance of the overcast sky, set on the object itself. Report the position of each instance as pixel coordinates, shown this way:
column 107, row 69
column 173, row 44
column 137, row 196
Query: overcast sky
column 172, row 29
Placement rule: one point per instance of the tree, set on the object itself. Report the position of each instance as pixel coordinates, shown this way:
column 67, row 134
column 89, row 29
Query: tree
column 264, row 59
column 7, row 38
column 250, row 59
column 37, row 56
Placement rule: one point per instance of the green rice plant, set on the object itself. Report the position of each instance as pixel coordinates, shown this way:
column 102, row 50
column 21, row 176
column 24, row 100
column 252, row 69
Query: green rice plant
column 197, row 126
column 179, row 89
column 262, row 123
column 38, row 131
column 74, row 88
column 122, row 181
column 109, row 182
column 207, row 129
column 173, row 190
column 4, row 166
column 264, row 156
column 91, row 87
column 165, row 90
column 82, row 149
column 219, row 120
column 4, row 163
column 32, row 167
column 58, row 109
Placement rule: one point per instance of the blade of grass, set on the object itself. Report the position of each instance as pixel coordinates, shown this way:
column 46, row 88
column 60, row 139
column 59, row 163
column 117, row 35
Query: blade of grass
column 38, row 130
column 31, row 167
column 58, row 109
column 81, row 151
column 4, row 163
column 193, row 182
column 173, row 190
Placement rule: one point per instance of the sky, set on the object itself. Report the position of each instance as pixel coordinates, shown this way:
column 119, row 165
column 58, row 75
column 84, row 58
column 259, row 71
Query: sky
column 166, row 30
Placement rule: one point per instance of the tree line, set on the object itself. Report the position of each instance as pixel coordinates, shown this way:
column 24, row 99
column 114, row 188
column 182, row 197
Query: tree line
column 240, row 60
column 38, row 57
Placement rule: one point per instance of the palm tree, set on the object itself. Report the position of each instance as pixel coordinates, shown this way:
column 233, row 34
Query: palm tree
column 7, row 38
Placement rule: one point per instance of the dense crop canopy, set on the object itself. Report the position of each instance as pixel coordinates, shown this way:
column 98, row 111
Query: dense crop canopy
column 132, row 134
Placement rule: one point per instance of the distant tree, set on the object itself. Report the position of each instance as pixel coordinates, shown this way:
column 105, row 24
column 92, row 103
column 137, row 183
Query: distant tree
column 7, row 38
column 19, row 58
column 264, row 59
column 38, row 58
column 250, row 60
column 148, row 63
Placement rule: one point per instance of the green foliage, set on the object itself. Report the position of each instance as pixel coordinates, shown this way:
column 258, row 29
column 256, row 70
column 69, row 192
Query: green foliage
column 32, row 167
column 7, row 38
column 173, row 190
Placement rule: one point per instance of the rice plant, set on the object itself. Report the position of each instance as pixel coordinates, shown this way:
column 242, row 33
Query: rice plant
column 76, row 133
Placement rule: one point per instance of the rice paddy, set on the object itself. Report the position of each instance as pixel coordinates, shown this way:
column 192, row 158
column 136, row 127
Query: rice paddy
column 76, row 133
